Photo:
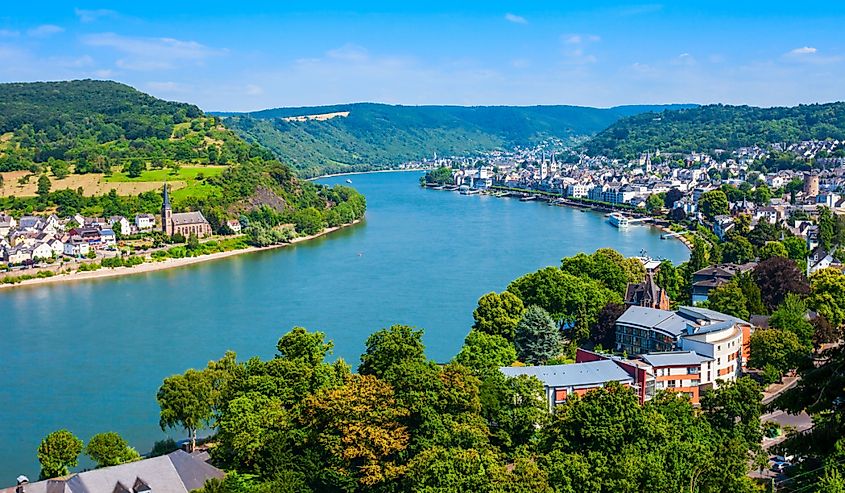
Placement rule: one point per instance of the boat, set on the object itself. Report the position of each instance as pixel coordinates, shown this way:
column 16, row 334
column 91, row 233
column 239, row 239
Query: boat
column 469, row 191
column 348, row 180
column 618, row 219
column 527, row 198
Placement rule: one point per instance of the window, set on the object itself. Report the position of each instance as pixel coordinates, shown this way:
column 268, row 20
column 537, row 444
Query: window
column 693, row 370
column 671, row 384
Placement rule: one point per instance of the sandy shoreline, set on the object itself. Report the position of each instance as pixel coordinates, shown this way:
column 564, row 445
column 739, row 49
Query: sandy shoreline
column 364, row 173
column 172, row 263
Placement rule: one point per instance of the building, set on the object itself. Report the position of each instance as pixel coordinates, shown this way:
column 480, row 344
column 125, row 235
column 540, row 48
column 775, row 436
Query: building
column 561, row 381
column 7, row 224
column 176, row 472
column 681, row 371
column 710, row 278
column 183, row 223
column 76, row 247
column 707, row 332
column 647, row 293
column 121, row 224
column 234, row 225
column 145, row 222
column 811, row 184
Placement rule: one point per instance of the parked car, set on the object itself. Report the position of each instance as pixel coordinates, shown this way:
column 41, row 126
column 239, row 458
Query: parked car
column 783, row 458
column 779, row 466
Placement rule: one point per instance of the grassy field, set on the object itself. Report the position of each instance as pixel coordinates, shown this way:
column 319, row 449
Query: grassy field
column 186, row 183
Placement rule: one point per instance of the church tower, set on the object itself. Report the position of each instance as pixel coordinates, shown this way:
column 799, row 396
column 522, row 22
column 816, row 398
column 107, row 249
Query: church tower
column 166, row 214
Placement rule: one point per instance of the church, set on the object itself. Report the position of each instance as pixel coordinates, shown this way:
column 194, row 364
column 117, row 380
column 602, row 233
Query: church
column 184, row 223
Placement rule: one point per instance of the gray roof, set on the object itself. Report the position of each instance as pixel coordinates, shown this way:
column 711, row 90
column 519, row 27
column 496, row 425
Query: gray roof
column 183, row 218
column 677, row 323
column 707, row 314
column 177, row 472
column 675, row 358
column 572, row 375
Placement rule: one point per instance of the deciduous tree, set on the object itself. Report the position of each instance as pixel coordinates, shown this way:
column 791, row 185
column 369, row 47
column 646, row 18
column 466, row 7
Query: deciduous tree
column 58, row 452
column 777, row 277
column 110, row 449
column 730, row 300
column 484, row 353
column 186, row 400
column 498, row 314
column 713, row 203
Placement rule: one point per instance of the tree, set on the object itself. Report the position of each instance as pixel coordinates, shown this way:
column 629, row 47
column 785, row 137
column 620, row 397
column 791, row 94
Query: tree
column 653, row 203
column 391, row 348
column 193, row 242
column 779, row 350
column 827, row 228
column 43, row 186
column 667, row 278
column 796, row 248
column 356, row 429
column 791, row 316
column 537, row 337
column 778, row 277
column 671, row 197
column 484, row 353
column 58, row 452
column 109, row 449
column 308, row 221
column 498, row 314
column 514, row 408
column 753, row 299
column 60, row 169
column 734, row 409
column 730, row 300
column 773, row 249
column 186, row 400
column 737, row 250
column 762, row 195
column 828, row 295
column 135, row 168
column 604, row 330
column 713, row 203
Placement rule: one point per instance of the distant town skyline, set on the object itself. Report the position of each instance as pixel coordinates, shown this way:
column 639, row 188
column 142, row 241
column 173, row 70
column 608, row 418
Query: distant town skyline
column 243, row 57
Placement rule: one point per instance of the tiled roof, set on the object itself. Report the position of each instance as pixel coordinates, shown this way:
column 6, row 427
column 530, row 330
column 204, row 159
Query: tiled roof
column 183, row 218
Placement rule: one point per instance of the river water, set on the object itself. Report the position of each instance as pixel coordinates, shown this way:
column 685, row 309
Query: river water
column 89, row 356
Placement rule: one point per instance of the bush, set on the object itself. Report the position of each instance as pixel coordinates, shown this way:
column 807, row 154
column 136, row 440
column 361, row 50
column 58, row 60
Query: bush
column 163, row 447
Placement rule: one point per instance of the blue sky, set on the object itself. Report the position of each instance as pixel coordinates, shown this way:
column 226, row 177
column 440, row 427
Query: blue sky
column 240, row 56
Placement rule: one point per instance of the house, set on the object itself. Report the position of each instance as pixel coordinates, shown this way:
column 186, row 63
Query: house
column 176, row 472
column 145, row 222
column 91, row 234
column 57, row 246
column 7, row 224
column 234, row 225
column 121, row 224
column 647, row 293
column 561, row 381
column 722, row 225
column 42, row 251
column 107, row 238
column 19, row 255
column 76, row 247
column 769, row 214
column 709, row 278
column 30, row 223
column 820, row 259
column 706, row 332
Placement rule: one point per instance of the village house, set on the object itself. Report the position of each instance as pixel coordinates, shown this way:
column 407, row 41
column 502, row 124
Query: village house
column 121, row 224
column 647, row 293
column 145, row 222
column 709, row 278
column 234, row 225
column 76, row 247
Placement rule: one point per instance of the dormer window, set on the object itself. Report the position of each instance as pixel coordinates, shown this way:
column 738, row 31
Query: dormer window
column 141, row 486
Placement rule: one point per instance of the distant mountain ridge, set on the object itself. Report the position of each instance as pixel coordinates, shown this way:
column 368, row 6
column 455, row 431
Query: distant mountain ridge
column 704, row 128
column 375, row 135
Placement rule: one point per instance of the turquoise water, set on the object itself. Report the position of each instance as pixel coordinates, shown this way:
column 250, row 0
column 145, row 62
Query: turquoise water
column 90, row 355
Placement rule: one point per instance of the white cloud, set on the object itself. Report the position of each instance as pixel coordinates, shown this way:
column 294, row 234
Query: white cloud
column 93, row 15
column 45, row 30
column 576, row 48
column 152, row 53
column 805, row 50
column 576, row 39
column 253, row 90
column 7, row 33
column 349, row 53
column 168, row 87
column 516, row 19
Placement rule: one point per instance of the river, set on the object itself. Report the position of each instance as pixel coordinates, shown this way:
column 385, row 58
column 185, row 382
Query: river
column 89, row 356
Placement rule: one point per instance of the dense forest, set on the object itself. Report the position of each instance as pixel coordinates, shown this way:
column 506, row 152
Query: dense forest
column 378, row 135
column 53, row 129
column 705, row 128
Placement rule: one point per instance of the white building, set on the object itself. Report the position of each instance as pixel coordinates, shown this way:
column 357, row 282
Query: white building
column 145, row 222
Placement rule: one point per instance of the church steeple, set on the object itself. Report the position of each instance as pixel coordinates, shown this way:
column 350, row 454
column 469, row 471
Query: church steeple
column 166, row 214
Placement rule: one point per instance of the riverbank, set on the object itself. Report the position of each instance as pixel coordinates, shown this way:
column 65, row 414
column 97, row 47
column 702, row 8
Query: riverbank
column 348, row 173
column 555, row 200
column 152, row 266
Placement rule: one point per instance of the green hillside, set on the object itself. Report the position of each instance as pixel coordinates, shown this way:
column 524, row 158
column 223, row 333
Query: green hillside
column 379, row 135
column 103, row 148
column 711, row 127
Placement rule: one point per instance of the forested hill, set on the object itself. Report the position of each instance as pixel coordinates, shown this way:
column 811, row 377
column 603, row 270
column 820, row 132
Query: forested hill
column 361, row 136
column 711, row 127
column 103, row 148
